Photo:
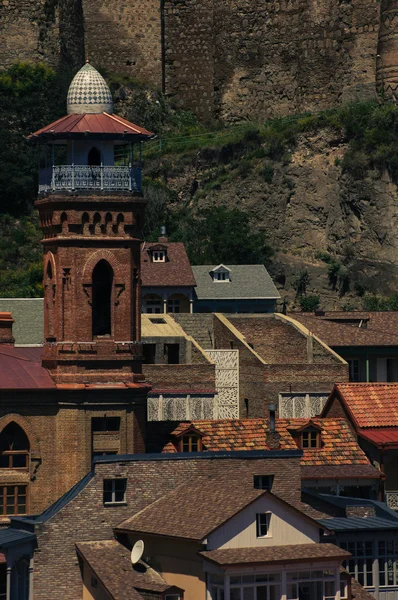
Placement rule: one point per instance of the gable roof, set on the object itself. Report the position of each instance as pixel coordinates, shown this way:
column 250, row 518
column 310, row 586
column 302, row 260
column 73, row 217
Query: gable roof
column 353, row 328
column 193, row 510
column 368, row 404
column 111, row 564
column 339, row 445
column 246, row 282
column 176, row 271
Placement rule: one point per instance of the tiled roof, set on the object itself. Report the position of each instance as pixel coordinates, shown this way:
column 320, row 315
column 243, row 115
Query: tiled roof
column 369, row 404
column 275, row 554
column 343, row 328
column 111, row 563
column 246, row 282
column 176, row 271
column 339, row 445
column 193, row 510
column 342, row 471
column 358, row 592
column 20, row 368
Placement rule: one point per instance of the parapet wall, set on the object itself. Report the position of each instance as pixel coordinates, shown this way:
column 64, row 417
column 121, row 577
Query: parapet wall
column 229, row 60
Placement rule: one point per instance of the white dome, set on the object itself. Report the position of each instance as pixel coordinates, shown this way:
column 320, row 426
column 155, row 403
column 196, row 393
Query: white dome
column 89, row 93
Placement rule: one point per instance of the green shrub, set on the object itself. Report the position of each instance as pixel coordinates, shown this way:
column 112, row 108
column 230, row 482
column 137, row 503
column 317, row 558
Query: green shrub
column 309, row 303
column 268, row 173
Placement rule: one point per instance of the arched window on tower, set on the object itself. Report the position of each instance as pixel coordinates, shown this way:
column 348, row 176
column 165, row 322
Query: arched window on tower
column 14, row 448
column 102, row 298
column 94, row 157
column 49, row 296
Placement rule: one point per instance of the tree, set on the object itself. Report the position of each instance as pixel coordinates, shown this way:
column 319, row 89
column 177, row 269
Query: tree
column 221, row 235
column 309, row 303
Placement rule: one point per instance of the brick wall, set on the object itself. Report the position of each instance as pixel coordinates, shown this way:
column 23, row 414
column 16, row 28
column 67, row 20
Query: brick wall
column 57, row 574
column 182, row 377
column 198, row 326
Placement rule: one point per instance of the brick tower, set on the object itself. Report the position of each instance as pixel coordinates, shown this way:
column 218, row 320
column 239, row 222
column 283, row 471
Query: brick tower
column 91, row 213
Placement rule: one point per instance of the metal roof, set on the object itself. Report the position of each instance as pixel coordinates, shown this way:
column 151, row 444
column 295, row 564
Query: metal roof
column 383, row 436
column 246, row 282
column 88, row 126
column 20, row 368
column 11, row 537
column 358, row 523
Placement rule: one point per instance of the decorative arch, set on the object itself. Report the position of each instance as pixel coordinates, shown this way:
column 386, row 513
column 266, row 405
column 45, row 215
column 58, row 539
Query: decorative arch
column 64, row 223
column 102, row 294
column 50, row 259
column 25, row 425
column 102, row 254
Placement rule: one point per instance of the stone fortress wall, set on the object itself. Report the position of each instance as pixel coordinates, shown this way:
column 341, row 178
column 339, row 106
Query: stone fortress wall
column 229, row 59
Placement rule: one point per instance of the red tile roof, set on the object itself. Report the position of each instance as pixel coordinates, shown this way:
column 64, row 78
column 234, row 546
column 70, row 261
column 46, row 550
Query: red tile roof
column 339, row 444
column 174, row 272
column 343, row 328
column 369, row 404
column 275, row 554
column 20, row 368
column 102, row 123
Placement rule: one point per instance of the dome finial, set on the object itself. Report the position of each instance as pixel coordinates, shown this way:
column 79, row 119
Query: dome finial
column 89, row 93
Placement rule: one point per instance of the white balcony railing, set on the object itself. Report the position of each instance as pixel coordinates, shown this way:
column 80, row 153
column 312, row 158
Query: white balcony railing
column 84, row 177
column 392, row 499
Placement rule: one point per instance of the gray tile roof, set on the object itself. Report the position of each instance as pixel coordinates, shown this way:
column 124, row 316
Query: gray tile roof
column 246, row 282
column 28, row 315
column 358, row 523
column 11, row 537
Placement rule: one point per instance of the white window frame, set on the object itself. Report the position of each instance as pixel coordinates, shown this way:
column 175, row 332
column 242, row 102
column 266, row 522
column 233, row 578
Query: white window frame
column 159, row 256
column 221, row 275
column 266, row 516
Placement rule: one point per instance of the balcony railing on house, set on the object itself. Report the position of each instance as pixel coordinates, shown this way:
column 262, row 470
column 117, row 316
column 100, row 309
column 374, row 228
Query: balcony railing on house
column 84, row 177
column 392, row 499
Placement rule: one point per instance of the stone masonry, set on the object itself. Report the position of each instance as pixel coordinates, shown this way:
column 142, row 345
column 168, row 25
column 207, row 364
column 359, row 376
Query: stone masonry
column 233, row 61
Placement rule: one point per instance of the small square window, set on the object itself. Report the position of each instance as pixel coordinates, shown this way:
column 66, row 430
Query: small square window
column 159, row 256
column 310, row 439
column 262, row 524
column 191, row 443
column 114, row 491
column 263, row 482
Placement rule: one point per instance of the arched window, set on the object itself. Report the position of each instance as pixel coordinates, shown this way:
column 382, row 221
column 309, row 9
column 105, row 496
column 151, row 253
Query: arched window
column 94, row 157
column 14, row 448
column 102, row 298
column 85, row 224
column 64, row 223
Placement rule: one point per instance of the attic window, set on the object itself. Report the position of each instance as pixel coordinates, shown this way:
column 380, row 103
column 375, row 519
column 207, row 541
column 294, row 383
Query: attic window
column 263, row 482
column 221, row 276
column 159, row 256
column 310, row 439
column 190, row 443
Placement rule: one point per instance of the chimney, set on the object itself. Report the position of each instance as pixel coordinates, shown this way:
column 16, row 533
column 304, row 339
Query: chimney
column 6, row 322
column 163, row 238
column 272, row 436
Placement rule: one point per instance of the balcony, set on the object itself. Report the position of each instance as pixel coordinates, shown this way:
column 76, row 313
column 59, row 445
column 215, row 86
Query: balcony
column 72, row 178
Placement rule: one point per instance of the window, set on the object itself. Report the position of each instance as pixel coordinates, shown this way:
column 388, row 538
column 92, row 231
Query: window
column 310, row 439
column 13, row 500
column 388, row 563
column 105, row 424
column 249, row 587
column 102, row 298
column 191, row 443
column 153, row 307
column 172, row 354
column 263, row 482
column 343, row 590
column 114, row 491
column 353, row 369
column 262, row 524
column 220, row 276
column 360, row 565
column 14, row 448
column 311, row 585
column 173, row 305
column 172, row 597
column 159, row 256
column 149, row 352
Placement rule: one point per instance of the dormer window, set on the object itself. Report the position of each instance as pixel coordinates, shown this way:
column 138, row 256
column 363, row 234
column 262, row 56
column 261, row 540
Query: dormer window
column 221, row 273
column 191, row 443
column 310, row 439
column 159, row 256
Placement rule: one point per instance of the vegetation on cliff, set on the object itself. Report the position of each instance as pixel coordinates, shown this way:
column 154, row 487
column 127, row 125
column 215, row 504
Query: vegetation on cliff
column 192, row 175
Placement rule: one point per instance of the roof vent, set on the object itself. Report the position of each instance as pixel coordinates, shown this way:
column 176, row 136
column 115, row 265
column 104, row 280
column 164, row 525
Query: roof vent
column 158, row 321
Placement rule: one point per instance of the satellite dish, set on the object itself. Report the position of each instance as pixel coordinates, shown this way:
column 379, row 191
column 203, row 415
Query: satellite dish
column 137, row 551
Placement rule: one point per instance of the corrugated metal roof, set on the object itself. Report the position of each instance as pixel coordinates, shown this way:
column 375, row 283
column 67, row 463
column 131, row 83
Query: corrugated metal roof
column 11, row 537
column 96, row 124
column 358, row 523
column 246, row 282
column 382, row 435
column 20, row 368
